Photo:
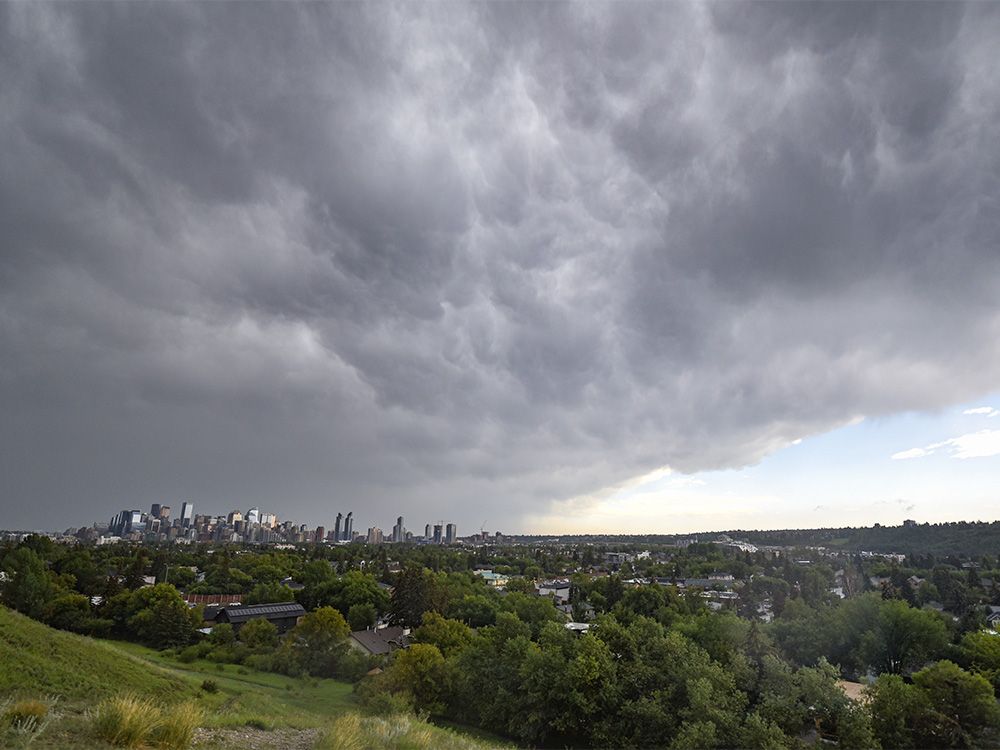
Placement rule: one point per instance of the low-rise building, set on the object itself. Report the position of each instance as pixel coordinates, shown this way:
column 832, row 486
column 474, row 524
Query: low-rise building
column 284, row 615
column 379, row 641
column 559, row 590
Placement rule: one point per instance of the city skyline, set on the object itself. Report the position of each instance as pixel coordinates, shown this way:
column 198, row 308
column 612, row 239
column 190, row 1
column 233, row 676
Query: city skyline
column 596, row 266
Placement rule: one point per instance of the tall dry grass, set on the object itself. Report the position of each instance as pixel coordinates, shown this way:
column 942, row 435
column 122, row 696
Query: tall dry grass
column 125, row 720
column 131, row 721
column 399, row 731
column 177, row 725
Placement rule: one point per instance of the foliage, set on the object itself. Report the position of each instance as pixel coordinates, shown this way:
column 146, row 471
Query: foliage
column 317, row 645
column 176, row 726
column 259, row 635
column 416, row 591
column 943, row 707
column 125, row 720
column 362, row 616
column 356, row 732
column 24, row 713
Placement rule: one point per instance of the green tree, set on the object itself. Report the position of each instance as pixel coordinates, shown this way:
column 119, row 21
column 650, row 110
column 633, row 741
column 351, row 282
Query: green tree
column 28, row 587
column 963, row 701
column 269, row 593
column 318, row 644
column 416, row 591
column 362, row 616
column 420, row 671
column 475, row 610
column 981, row 653
column 450, row 636
column 222, row 634
column 162, row 619
column 259, row 635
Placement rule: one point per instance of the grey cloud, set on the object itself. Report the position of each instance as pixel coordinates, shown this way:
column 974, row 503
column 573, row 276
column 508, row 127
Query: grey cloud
column 461, row 261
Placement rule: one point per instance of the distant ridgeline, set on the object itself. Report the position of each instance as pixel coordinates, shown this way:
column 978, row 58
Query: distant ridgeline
column 969, row 538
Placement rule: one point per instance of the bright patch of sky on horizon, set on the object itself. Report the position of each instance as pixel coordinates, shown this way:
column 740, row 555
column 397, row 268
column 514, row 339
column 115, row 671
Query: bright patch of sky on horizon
column 933, row 467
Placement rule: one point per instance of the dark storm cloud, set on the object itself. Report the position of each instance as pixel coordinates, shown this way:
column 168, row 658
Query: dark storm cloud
column 459, row 261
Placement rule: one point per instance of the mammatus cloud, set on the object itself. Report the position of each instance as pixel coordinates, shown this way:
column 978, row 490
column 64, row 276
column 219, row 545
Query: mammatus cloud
column 464, row 261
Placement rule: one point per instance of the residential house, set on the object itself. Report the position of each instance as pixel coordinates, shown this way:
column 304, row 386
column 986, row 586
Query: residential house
column 494, row 580
column 559, row 590
column 379, row 641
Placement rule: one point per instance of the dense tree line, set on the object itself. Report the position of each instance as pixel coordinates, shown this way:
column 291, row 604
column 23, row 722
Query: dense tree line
column 656, row 669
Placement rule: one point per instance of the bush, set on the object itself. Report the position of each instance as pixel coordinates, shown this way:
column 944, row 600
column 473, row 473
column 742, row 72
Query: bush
column 124, row 721
column 25, row 713
column 354, row 732
column 130, row 721
column 381, row 703
column 187, row 655
column 176, row 728
column 210, row 686
column 260, row 662
column 257, row 723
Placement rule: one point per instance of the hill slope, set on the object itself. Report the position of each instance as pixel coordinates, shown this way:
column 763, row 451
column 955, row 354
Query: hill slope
column 41, row 660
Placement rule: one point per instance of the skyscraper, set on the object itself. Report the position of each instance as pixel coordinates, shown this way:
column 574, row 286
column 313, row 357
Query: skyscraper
column 164, row 512
column 154, row 510
column 253, row 515
column 349, row 526
column 437, row 533
column 427, row 532
column 337, row 527
column 451, row 534
column 374, row 535
column 398, row 531
column 187, row 514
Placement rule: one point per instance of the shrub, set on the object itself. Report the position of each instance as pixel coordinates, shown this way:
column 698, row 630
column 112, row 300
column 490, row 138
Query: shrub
column 187, row 655
column 130, row 721
column 258, row 723
column 125, row 720
column 176, row 728
column 210, row 686
column 25, row 713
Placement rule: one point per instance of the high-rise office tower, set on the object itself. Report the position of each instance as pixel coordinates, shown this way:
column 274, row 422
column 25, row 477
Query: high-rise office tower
column 164, row 512
column 451, row 534
column 154, row 510
column 234, row 516
column 427, row 531
column 374, row 535
column 398, row 531
column 253, row 515
column 437, row 533
column 349, row 526
column 320, row 535
column 187, row 514
column 337, row 527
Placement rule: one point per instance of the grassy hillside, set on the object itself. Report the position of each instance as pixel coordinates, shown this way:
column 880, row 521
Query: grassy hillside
column 38, row 660
column 244, row 708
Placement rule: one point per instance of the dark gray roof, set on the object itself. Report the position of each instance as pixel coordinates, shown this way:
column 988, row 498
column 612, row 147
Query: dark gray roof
column 267, row 611
column 381, row 641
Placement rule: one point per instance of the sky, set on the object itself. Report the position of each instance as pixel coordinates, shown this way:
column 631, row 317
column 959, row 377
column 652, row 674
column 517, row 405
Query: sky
column 588, row 266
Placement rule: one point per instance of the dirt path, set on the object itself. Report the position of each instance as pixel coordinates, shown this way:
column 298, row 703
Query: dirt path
column 247, row 738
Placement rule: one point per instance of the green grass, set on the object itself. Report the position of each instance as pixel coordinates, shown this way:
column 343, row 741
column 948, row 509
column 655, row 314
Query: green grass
column 36, row 660
column 75, row 674
column 245, row 696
